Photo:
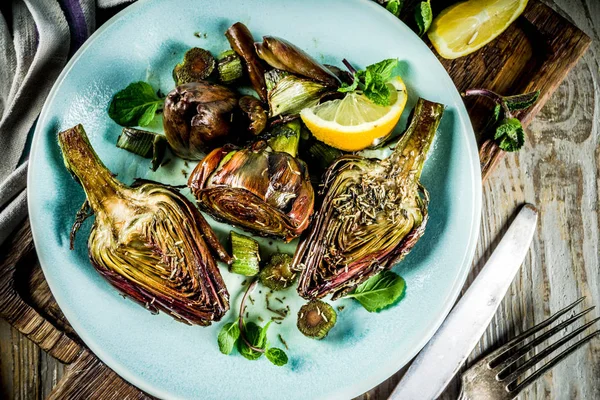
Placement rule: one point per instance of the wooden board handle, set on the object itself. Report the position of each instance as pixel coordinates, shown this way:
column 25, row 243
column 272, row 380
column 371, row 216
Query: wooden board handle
column 19, row 313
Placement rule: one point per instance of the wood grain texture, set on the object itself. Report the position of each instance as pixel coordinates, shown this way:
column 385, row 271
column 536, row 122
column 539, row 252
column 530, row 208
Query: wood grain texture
column 558, row 170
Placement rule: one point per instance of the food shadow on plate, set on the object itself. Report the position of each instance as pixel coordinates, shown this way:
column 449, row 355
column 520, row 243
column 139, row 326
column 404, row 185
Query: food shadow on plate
column 160, row 66
column 435, row 179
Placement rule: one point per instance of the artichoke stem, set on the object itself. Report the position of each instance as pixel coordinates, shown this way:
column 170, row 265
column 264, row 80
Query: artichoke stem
column 83, row 163
column 411, row 151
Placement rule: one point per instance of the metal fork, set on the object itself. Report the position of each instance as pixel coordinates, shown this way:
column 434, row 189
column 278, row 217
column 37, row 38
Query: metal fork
column 496, row 376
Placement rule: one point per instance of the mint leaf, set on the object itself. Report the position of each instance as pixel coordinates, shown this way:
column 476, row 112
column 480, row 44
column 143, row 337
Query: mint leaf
column 423, row 16
column 135, row 105
column 350, row 88
column 510, row 135
column 252, row 332
column 521, row 101
column 383, row 68
column 394, row 6
column 262, row 338
column 376, row 89
column 228, row 335
column 379, row 291
column 497, row 113
column 277, row 356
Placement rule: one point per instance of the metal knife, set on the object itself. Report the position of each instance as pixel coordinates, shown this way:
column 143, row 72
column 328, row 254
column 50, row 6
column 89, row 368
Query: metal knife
column 442, row 357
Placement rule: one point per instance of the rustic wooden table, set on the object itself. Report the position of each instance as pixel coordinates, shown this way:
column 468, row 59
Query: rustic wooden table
column 558, row 170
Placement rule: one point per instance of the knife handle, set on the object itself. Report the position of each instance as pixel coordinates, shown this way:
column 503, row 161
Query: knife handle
column 445, row 353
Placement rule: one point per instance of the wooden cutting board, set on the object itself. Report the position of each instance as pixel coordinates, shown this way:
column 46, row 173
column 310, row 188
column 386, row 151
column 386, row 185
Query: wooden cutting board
column 535, row 53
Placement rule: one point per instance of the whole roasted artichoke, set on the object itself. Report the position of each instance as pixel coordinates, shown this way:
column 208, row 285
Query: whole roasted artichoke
column 148, row 241
column 198, row 117
column 373, row 213
column 267, row 192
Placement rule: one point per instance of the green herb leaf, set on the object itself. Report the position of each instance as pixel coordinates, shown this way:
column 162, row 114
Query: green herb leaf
column 373, row 81
column 510, row 135
column 376, row 89
column 135, row 105
column 263, row 334
column 277, row 356
column 383, row 68
column 423, row 16
column 254, row 334
column 394, row 6
column 379, row 291
column 521, row 101
column 228, row 335
column 497, row 113
column 345, row 88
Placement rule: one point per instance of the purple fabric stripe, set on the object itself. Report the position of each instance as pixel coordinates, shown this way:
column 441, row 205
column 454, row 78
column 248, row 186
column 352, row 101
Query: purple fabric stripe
column 77, row 23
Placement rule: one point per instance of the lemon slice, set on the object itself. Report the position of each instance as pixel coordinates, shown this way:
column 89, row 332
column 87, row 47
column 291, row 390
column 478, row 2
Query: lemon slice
column 355, row 122
column 465, row 27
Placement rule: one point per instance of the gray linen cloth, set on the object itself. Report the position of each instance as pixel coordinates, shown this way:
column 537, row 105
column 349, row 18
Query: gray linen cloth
column 36, row 39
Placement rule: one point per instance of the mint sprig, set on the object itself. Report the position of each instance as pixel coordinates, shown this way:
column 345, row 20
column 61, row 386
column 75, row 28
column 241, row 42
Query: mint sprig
column 509, row 134
column 372, row 81
column 251, row 339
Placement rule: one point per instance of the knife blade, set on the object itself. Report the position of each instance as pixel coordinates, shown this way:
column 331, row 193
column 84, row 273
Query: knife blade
column 445, row 353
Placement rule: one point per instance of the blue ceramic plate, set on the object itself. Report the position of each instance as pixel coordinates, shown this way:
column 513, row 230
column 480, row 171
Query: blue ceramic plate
column 172, row 360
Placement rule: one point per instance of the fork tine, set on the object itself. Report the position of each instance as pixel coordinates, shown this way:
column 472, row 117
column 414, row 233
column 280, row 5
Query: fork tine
column 515, row 389
column 505, row 375
column 496, row 355
column 522, row 351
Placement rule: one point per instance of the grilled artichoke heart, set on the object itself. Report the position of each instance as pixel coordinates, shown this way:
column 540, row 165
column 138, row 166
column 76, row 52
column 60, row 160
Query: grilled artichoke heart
column 372, row 214
column 266, row 192
column 148, row 241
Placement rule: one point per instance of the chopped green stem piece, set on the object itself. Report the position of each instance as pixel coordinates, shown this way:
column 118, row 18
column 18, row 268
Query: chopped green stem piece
column 286, row 138
column 229, row 66
column 277, row 274
column 316, row 318
column 143, row 143
column 245, row 255
column 197, row 65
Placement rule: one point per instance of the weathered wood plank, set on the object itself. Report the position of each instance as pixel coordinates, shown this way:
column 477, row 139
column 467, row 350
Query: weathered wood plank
column 559, row 171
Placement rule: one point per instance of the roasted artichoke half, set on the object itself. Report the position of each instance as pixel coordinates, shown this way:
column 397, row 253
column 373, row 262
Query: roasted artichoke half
column 372, row 214
column 148, row 241
column 264, row 191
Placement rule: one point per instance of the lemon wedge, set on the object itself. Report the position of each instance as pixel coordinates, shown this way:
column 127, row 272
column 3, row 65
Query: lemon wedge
column 466, row 27
column 355, row 122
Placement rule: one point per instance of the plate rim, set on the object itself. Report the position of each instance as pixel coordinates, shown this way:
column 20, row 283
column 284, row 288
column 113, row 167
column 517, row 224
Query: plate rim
column 357, row 388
